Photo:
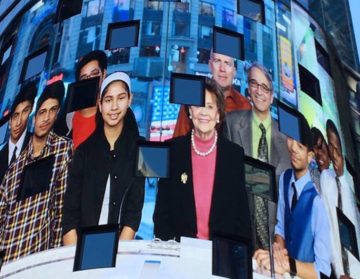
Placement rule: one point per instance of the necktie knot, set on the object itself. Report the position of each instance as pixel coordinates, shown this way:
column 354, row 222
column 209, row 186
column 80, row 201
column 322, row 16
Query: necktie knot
column 13, row 157
column 262, row 128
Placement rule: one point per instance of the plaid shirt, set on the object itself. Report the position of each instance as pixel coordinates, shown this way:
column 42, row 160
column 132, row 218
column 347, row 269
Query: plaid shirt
column 34, row 223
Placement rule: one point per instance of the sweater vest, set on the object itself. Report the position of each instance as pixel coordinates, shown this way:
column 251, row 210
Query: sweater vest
column 299, row 238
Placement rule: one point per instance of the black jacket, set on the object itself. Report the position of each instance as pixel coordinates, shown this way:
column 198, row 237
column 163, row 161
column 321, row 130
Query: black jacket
column 93, row 162
column 4, row 153
column 175, row 213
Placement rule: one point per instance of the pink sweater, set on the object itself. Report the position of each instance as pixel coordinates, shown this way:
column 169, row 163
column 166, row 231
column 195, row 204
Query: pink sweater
column 203, row 169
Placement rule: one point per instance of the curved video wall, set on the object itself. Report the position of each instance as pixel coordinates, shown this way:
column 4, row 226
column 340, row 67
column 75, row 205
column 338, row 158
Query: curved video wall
column 42, row 43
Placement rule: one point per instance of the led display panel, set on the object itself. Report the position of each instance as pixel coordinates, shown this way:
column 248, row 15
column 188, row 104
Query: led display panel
column 231, row 257
column 82, row 94
column 187, row 89
column 96, row 247
column 153, row 159
column 228, row 42
column 122, row 34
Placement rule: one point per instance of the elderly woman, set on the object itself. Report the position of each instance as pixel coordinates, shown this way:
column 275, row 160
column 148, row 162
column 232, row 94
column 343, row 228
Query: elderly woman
column 102, row 188
column 206, row 190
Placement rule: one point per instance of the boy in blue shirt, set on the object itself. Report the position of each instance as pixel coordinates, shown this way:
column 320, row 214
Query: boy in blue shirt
column 302, row 237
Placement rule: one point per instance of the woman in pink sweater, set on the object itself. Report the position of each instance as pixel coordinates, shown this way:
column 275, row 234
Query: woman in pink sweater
column 206, row 190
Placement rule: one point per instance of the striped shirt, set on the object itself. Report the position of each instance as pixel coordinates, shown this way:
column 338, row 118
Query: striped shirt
column 33, row 224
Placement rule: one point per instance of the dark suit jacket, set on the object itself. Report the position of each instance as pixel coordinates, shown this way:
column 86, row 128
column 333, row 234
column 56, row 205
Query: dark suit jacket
column 4, row 153
column 175, row 213
column 237, row 129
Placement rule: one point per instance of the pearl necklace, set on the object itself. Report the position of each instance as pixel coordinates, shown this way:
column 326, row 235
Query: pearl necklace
column 211, row 149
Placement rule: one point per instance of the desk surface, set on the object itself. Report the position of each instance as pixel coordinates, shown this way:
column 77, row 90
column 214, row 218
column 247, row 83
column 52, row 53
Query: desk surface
column 190, row 259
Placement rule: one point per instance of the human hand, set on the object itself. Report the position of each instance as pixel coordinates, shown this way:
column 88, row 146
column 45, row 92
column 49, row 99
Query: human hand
column 262, row 258
column 281, row 258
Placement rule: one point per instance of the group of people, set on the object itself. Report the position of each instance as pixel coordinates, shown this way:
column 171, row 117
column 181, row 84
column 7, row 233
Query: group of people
column 205, row 193
column 73, row 173
column 76, row 170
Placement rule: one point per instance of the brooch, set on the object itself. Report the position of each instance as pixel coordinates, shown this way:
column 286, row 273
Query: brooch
column 184, row 178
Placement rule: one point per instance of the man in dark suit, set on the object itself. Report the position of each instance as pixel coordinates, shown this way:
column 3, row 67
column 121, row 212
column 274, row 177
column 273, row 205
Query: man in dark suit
column 19, row 136
column 259, row 135
column 255, row 130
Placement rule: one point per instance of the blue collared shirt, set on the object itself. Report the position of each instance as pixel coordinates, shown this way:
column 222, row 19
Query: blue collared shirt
column 319, row 223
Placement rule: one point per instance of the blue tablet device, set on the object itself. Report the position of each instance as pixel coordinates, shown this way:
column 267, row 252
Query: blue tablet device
column 153, row 159
column 187, row 89
column 122, row 34
column 96, row 247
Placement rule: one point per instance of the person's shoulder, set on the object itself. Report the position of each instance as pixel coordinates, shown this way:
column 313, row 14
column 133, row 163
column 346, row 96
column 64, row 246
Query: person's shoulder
column 179, row 139
column 238, row 95
column 61, row 140
column 3, row 146
column 237, row 115
column 178, row 144
column 327, row 174
column 230, row 147
column 61, row 144
column 88, row 144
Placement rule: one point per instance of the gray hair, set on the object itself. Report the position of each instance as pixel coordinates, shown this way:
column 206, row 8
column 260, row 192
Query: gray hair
column 263, row 70
column 212, row 57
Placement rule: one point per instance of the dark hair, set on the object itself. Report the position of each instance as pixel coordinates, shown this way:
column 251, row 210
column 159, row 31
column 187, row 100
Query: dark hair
column 97, row 55
column 27, row 93
column 55, row 90
column 214, row 89
column 306, row 136
column 316, row 134
column 330, row 127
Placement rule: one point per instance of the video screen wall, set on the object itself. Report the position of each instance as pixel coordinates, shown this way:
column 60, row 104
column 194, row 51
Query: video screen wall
column 156, row 41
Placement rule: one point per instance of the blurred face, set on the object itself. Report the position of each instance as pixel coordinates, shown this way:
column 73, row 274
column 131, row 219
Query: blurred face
column 114, row 104
column 223, row 69
column 45, row 117
column 205, row 118
column 335, row 153
column 19, row 119
column 260, row 91
column 299, row 157
column 321, row 154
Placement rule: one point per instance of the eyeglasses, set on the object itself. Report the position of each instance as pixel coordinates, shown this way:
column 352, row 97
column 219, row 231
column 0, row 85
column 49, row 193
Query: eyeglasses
column 263, row 87
column 93, row 73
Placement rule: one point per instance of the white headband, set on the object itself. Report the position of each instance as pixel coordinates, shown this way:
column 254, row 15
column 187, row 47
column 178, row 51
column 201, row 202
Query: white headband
column 117, row 76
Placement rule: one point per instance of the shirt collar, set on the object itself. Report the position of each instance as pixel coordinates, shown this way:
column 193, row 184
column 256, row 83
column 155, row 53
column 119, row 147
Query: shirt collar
column 301, row 182
column 18, row 144
column 257, row 121
column 46, row 147
column 232, row 93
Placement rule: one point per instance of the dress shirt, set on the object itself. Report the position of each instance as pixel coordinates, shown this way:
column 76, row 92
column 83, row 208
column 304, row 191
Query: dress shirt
column 256, row 134
column 319, row 225
column 329, row 194
column 33, row 224
column 104, row 214
column 18, row 144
